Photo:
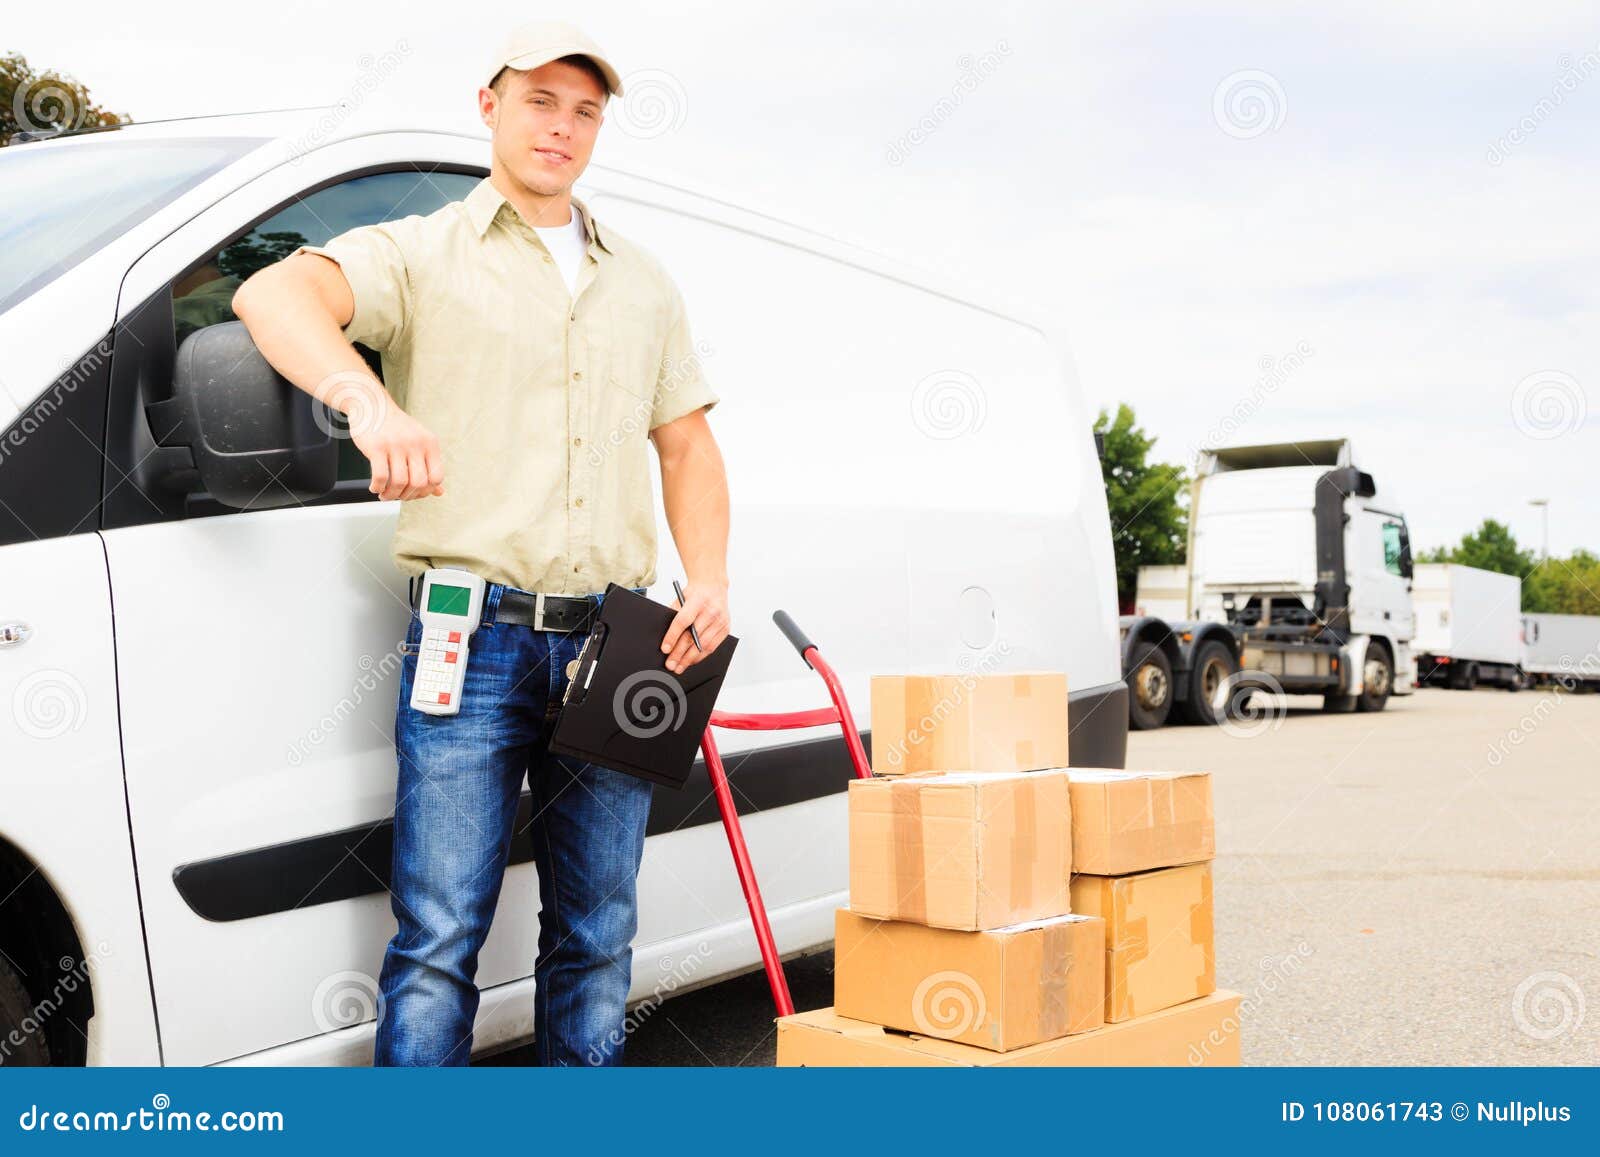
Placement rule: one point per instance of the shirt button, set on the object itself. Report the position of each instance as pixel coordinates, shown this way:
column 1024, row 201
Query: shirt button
column 576, row 374
column 577, row 441
column 577, row 502
column 547, row 259
column 576, row 568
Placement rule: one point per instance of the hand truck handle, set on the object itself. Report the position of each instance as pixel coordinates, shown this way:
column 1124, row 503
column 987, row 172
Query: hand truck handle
column 791, row 631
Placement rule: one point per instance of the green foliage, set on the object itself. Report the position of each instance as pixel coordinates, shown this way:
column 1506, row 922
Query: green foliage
column 1492, row 547
column 1564, row 586
column 41, row 101
column 1149, row 522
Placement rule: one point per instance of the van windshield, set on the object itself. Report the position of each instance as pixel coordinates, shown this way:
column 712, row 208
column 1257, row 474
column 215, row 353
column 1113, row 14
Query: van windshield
column 60, row 202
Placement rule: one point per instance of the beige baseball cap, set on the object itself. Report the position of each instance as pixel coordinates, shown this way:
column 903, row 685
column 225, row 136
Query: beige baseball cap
column 530, row 45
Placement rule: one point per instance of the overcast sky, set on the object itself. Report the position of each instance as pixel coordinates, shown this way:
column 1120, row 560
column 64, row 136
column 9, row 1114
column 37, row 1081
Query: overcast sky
column 1250, row 221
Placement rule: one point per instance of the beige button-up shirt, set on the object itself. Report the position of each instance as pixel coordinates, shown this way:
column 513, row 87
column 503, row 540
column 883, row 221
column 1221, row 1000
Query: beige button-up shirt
column 542, row 400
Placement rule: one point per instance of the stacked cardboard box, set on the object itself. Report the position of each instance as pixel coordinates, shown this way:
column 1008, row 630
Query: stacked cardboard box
column 966, row 941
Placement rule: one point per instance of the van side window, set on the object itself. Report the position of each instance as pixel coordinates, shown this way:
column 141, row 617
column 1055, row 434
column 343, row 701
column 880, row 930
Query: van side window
column 204, row 295
column 1393, row 551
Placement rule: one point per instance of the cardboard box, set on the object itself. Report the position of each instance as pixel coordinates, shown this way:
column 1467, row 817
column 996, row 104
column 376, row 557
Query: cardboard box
column 1159, row 946
column 967, row 850
column 1000, row 989
column 1134, row 821
column 1201, row 1033
column 969, row 722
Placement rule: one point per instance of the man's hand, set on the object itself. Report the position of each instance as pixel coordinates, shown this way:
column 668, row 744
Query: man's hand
column 705, row 604
column 405, row 457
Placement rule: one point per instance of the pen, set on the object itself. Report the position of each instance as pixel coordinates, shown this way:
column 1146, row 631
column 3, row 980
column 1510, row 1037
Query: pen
column 693, row 634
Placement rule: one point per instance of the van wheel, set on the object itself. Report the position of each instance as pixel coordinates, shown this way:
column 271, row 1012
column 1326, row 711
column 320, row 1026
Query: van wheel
column 1149, row 688
column 1377, row 679
column 1213, row 667
column 16, row 1014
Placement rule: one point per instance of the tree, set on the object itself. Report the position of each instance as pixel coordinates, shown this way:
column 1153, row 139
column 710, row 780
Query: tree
column 1564, row 586
column 1149, row 524
column 45, row 101
column 1491, row 547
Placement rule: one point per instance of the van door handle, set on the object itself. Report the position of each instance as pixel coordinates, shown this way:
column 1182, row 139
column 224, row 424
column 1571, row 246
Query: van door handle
column 14, row 634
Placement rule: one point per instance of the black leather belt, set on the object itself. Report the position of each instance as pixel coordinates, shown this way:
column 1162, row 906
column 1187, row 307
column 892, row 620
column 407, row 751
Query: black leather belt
column 565, row 614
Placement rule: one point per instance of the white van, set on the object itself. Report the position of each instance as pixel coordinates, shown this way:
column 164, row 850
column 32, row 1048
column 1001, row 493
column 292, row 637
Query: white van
column 196, row 767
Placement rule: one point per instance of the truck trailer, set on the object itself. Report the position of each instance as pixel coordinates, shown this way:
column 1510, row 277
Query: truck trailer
column 1469, row 627
column 1298, row 581
column 1562, row 649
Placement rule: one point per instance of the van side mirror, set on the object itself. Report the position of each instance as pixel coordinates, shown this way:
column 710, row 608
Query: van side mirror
column 258, row 441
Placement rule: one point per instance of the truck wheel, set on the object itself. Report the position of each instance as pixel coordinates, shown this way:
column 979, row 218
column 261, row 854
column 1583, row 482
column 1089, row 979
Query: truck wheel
column 1377, row 679
column 20, row 1021
column 1464, row 677
column 1213, row 667
column 1149, row 688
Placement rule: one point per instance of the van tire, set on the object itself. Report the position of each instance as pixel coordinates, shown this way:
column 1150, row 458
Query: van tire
column 1379, row 669
column 16, row 1007
column 1149, row 688
column 1213, row 665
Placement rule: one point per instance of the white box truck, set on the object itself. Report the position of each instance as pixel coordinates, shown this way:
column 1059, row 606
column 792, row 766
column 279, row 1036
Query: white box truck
column 197, row 700
column 1562, row 649
column 1469, row 627
column 1298, row 580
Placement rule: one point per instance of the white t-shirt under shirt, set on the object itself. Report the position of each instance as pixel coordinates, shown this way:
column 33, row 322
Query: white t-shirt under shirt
column 567, row 244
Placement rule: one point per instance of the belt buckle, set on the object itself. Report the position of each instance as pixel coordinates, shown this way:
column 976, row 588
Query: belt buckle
column 538, row 612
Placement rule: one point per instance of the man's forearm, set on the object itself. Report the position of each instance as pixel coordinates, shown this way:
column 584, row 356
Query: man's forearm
column 301, row 337
column 694, row 492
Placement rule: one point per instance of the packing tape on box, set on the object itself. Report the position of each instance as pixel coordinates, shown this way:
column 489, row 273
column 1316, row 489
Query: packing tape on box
column 1055, row 965
column 1202, row 919
column 910, row 871
column 1027, row 817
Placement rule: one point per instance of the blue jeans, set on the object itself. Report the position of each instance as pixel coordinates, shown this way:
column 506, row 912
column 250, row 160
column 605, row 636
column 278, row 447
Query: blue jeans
column 460, row 777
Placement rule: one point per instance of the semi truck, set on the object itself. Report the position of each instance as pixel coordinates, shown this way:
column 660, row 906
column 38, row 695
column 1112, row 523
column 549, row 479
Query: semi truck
column 1298, row 581
column 1562, row 649
column 1469, row 627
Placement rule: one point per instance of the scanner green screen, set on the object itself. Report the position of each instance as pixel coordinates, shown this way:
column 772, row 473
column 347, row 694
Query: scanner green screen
column 449, row 600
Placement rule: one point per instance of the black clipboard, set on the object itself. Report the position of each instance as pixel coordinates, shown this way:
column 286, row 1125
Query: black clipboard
column 623, row 709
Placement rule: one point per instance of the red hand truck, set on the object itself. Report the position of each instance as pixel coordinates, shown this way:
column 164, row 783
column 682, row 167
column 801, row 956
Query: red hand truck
column 783, row 721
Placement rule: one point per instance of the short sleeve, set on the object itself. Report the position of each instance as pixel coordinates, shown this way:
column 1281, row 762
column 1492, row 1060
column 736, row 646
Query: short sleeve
column 681, row 385
column 375, row 268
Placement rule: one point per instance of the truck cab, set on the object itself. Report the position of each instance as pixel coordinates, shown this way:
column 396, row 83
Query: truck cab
column 1298, row 581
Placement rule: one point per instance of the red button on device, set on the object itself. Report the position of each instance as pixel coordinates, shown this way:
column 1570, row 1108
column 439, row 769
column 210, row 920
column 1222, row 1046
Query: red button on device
column 455, row 637
column 444, row 698
column 450, row 656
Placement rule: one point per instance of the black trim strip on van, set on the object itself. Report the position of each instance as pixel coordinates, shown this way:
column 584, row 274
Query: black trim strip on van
column 355, row 862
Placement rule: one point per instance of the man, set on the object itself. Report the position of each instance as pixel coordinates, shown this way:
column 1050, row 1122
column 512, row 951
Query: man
column 527, row 350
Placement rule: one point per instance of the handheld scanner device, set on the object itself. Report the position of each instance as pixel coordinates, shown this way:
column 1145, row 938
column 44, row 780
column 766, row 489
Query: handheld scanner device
column 451, row 603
